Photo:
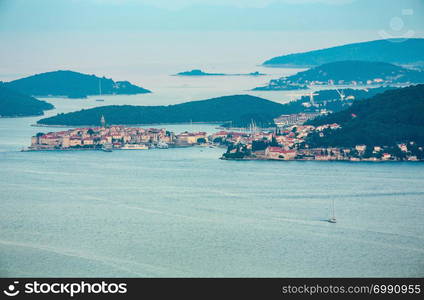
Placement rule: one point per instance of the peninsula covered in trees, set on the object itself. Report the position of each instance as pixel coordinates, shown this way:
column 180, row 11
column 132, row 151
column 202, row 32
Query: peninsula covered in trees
column 72, row 84
column 395, row 51
column 14, row 104
column 238, row 111
column 241, row 110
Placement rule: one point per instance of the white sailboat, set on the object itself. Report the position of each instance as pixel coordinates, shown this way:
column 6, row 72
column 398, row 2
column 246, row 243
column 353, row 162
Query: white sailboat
column 100, row 90
column 333, row 218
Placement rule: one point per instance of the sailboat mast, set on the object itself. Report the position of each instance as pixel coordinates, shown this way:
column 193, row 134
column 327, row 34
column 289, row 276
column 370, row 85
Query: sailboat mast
column 333, row 218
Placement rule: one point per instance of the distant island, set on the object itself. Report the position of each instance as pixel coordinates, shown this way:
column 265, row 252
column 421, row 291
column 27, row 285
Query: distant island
column 198, row 72
column 15, row 104
column 395, row 51
column 239, row 110
column 72, row 85
column 386, row 127
column 348, row 73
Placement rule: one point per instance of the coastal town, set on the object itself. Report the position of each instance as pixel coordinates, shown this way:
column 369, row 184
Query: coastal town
column 114, row 137
column 290, row 144
column 287, row 141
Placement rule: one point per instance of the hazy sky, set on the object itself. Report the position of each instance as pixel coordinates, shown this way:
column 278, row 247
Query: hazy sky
column 57, row 15
column 114, row 36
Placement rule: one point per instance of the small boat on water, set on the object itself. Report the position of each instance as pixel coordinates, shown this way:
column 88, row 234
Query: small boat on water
column 107, row 147
column 100, row 91
column 162, row 145
column 333, row 218
column 135, row 147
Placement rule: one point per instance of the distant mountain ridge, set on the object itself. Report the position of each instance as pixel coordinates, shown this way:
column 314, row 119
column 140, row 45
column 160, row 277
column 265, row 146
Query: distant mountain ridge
column 239, row 109
column 14, row 104
column 395, row 51
column 72, row 84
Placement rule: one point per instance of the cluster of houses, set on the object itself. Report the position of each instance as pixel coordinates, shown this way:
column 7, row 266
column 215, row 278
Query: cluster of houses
column 302, row 84
column 114, row 137
column 282, row 143
column 295, row 119
column 345, row 82
column 289, row 144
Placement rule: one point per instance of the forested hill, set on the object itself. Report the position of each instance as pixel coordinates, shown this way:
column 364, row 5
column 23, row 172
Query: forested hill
column 239, row 109
column 14, row 104
column 72, row 84
column 396, row 51
column 391, row 117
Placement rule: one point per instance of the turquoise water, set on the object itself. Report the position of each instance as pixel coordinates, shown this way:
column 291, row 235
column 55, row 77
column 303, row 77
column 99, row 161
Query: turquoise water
column 184, row 212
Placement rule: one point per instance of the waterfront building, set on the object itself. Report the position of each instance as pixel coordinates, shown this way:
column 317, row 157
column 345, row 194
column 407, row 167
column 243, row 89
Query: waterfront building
column 294, row 119
column 279, row 153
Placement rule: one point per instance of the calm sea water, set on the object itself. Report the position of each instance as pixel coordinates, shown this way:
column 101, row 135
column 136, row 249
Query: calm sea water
column 184, row 212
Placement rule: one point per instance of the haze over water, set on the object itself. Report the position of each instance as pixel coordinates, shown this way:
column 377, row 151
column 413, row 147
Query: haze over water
column 184, row 212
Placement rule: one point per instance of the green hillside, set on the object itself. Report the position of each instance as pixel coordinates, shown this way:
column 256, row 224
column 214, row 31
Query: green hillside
column 394, row 116
column 72, row 84
column 240, row 109
column 14, row 104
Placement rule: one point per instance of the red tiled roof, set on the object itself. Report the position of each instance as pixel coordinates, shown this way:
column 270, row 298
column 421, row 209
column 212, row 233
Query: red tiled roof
column 280, row 150
column 221, row 133
column 275, row 149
